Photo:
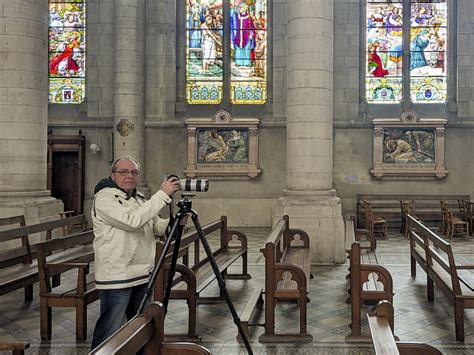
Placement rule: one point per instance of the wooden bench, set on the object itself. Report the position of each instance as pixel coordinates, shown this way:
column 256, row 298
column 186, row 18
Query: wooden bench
column 18, row 265
column 192, row 280
column 74, row 252
column 369, row 282
column 16, row 348
column 287, row 274
column 387, row 206
column 381, row 324
column 146, row 331
column 367, row 242
column 435, row 256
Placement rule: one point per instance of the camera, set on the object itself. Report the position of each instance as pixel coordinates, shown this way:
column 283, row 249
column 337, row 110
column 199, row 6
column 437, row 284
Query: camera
column 198, row 185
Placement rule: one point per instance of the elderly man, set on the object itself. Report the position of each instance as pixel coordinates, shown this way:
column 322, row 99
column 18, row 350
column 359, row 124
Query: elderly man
column 125, row 224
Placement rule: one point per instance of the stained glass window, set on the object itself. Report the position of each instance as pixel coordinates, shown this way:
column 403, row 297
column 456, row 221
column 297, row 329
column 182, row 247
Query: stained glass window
column 207, row 58
column 66, row 51
column 385, row 51
column 428, row 51
column 248, row 34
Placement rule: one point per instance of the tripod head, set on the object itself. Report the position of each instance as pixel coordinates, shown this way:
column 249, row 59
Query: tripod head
column 185, row 204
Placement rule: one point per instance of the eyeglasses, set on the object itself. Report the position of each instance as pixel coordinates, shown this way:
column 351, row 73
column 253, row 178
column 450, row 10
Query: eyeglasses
column 134, row 173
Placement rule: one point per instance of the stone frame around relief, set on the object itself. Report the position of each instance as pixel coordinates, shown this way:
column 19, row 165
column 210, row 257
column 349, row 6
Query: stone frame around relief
column 222, row 147
column 409, row 148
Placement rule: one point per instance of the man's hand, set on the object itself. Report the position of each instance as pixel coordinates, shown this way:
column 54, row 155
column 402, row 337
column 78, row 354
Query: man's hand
column 170, row 186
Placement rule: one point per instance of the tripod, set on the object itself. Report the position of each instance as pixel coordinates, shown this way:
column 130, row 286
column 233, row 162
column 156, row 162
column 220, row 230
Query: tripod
column 185, row 208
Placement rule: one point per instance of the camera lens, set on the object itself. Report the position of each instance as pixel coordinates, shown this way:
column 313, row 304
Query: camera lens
column 199, row 185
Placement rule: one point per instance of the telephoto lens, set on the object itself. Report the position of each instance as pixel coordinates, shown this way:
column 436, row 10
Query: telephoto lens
column 199, row 185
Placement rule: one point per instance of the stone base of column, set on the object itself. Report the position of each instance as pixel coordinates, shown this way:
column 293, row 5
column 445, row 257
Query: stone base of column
column 318, row 213
column 36, row 206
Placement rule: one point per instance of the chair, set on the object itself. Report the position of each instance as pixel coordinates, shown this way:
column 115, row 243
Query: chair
column 407, row 208
column 374, row 223
column 451, row 224
column 465, row 209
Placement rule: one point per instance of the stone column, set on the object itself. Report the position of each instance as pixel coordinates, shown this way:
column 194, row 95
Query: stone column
column 129, row 76
column 24, row 111
column 310, row 199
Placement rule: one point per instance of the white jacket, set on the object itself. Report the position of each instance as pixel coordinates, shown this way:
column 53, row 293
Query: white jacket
column 124, row 244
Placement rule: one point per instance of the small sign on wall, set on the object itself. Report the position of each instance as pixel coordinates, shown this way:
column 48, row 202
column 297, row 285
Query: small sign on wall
column 222, row 147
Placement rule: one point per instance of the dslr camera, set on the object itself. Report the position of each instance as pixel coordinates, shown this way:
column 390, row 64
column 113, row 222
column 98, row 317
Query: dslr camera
column 198, row 185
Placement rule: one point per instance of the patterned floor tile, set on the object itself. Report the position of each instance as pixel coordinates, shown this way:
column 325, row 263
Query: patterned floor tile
column 416, row 319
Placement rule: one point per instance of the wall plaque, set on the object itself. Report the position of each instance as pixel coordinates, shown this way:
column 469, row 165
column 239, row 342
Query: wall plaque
column 409, row 148
column 222, row 147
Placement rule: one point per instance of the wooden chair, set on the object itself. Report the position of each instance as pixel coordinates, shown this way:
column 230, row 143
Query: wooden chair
column 374, row 223
column 407, row 208
column 467, row 213
column 451, row 224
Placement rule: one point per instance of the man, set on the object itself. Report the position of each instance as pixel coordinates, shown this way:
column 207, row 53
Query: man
column 125, row 224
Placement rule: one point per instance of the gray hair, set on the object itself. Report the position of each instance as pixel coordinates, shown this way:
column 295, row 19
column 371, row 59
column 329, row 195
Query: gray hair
column 113, row 167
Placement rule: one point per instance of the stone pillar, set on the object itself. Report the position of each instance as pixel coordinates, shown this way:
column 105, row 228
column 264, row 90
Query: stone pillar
column 310, row 199
column 24, row 111
column 129, row 76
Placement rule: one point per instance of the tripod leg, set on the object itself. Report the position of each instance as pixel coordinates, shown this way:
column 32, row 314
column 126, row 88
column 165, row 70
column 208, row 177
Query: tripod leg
column 172, row 270
column 220, row 280
column 158, row 266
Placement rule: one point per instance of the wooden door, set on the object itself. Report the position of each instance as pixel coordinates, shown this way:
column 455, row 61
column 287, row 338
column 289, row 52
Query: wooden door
column 66, row 170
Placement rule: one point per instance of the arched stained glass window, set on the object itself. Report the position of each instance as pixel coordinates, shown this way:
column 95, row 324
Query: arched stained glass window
column 207, row 57
column 66, row 51
column 423, row 80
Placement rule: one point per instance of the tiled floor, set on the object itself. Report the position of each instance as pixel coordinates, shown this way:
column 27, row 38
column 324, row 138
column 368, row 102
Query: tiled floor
column 328, row 314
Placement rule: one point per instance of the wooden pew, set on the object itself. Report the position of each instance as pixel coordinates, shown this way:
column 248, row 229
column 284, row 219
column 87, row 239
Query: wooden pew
column 55, row 257
column 387, row 206
column 287, row 274
column 192, row 280
column 146, row 331
column 369, row 283
column 381, row 324
column 18, row 265
column 367, row 243
column 435, row 256
column 16, row 348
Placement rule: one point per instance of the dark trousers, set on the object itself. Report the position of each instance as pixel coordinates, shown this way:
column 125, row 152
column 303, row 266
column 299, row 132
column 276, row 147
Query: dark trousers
column 117, row 306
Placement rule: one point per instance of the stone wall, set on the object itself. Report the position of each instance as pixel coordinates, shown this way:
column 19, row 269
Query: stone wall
column 166, row 136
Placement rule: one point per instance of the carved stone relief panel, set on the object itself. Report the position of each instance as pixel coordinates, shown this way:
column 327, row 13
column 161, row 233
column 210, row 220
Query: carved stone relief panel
column 222, row 147
column 409, row 148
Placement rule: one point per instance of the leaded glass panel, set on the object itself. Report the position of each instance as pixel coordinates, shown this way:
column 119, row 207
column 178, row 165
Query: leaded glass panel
column 67, row 51
column 204, row 52
column 248, row 38
column 428, row 51
column 384, row 51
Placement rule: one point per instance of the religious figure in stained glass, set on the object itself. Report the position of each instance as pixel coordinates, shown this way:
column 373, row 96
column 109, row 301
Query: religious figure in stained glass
column 384, row 52
column 206, row 55
column 66, row 51
column 248, row 35
column 385, row 26
column 204, row 73
column 428, row 51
